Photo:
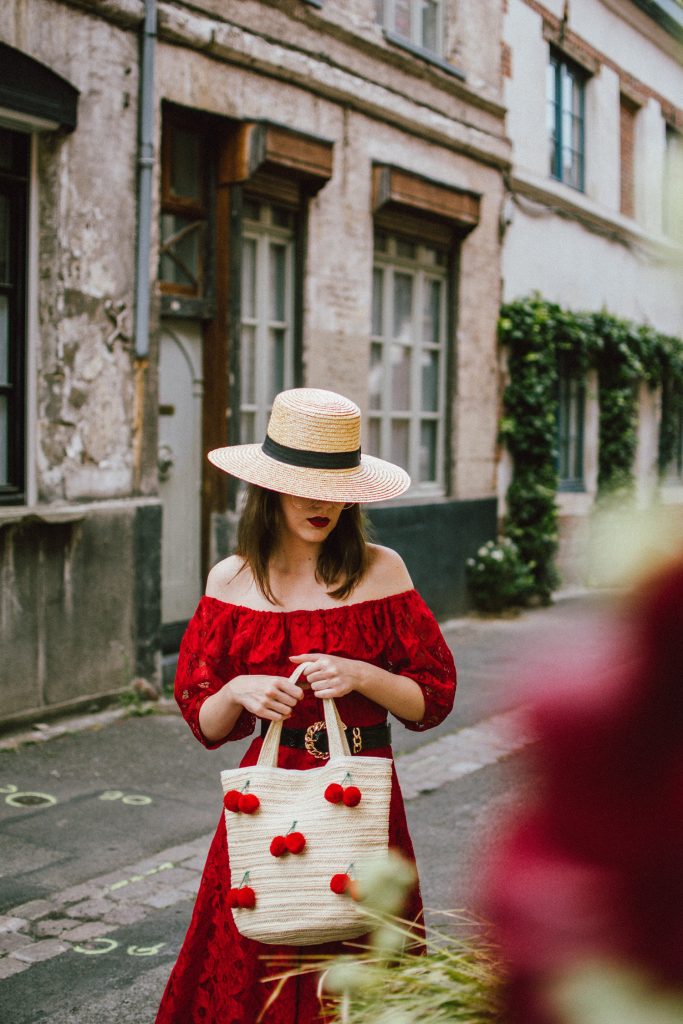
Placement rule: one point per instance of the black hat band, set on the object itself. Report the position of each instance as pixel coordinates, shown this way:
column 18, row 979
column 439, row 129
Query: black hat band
column 308, row 459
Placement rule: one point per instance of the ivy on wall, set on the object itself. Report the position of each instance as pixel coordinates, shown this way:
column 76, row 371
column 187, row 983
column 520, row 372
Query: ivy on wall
column 539, row 336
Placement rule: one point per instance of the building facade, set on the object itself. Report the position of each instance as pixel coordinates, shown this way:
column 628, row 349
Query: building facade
column 323, row 184
column 593, row 215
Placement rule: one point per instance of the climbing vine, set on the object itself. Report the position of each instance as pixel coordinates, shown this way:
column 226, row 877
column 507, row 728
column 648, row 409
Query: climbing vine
column 539, row 337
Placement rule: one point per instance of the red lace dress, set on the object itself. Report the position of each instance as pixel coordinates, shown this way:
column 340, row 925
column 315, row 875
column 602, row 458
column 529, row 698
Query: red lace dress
column 218, row 976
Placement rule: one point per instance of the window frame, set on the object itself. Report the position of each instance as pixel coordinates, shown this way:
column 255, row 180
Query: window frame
column 178, row 298
column 561, row 65
column 15, row 184
column 263, row 233
column 385, row 14
column 421, row 271
column 571, row 428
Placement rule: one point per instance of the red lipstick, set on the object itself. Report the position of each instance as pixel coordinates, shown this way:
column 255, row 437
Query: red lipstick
column 320, row 522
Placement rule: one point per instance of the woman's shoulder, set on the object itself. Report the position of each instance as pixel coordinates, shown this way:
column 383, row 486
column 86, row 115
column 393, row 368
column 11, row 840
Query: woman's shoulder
column 229, row 580
column 387, row 574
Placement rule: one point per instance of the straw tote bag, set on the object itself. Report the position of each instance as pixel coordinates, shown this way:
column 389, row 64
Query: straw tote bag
column 291, row 847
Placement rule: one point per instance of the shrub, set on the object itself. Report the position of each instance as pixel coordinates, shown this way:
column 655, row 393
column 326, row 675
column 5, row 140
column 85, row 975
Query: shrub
column 498, row 577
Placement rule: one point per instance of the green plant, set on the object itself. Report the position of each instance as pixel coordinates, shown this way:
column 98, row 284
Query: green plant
column 498, row 578
column 538, row 336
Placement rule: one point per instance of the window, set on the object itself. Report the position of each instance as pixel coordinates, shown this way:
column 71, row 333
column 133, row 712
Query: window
column 267, row 333
column 184, row 213
column 571, row 404
column 416, row 21
column 14, row 168
column 672, row 413
column 627, row 134
column 407, row 358
column 566, row 118
column 673, row 185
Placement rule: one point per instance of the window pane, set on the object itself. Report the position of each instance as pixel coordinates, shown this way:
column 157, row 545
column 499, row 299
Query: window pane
column 402, row 17
column 377, row 294
column 185, row 164
column 427, row 460
column 4, row 240
column 406, row 250
column 400, row 433
column 380, row 241
column 4, row 340
column 431, row 319
column 4, row 440
column 403, row 306
column 374, row 436
column 251, row 210
column 278, row 267
column 400, row 377
column 249, row 277
column 430, row 380
column 277, row 363
column 6, row 150
column 376, row 377
column 180, row 263
column 247, row 431
column 248, row 366
column 282, row 217
column 430, row 25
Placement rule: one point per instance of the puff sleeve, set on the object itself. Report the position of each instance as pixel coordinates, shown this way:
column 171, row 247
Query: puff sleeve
column 204, row 668
column 418, row 651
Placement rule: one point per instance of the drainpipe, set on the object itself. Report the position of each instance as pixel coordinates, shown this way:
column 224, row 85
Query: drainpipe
column 145, row 169
column 142, row 282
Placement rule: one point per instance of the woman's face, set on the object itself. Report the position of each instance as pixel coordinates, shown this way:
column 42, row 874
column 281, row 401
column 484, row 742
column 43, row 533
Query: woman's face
column 308, row 519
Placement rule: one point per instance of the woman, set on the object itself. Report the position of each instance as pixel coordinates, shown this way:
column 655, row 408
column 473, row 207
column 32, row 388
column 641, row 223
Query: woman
column 304, row 586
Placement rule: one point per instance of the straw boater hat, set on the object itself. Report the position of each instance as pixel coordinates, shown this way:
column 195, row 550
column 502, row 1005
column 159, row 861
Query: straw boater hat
column 312, row 450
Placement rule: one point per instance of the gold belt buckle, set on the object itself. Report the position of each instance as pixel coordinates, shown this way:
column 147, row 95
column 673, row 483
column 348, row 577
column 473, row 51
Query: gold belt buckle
column 309, row 741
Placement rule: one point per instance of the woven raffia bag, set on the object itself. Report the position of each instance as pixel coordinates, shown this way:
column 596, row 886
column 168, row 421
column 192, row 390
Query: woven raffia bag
column 293, row 903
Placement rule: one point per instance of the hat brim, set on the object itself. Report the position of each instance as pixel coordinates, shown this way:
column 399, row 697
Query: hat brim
column 373, row 480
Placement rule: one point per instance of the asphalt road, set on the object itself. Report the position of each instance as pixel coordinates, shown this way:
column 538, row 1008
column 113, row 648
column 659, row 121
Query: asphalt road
column 116, row 804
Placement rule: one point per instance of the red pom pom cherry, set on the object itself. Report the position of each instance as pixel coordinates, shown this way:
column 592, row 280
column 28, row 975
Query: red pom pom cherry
column 352, row 796
column 231, row 800
column 249, row 803
column 232, row 898
column 334, row 793
column 339, row 883
column 278, row 846
column 246, row 897
column 296, row 841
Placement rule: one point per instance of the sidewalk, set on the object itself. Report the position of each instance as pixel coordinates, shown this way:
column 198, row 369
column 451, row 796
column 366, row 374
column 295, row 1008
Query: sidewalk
column 105, row 827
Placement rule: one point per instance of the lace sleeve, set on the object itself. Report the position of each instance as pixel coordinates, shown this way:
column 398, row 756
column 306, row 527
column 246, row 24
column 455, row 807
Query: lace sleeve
column 419, row 652
column 203, row 669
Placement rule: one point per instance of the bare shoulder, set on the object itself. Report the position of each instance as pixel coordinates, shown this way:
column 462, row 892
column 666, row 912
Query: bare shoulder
column 386, row 575
column 229, row 580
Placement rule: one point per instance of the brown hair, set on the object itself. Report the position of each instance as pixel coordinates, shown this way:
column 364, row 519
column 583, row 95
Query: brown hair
column 344, row 556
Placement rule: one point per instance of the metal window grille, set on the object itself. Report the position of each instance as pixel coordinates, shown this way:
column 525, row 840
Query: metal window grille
column 267, row 319
column 14, row 172
column 407, row 384
column 566, row 121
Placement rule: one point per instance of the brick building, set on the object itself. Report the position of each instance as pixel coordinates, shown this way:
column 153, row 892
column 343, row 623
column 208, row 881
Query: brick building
column 593, row 215
column 320, row 184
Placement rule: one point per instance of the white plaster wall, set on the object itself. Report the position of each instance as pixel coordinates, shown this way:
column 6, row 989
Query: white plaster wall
column 579, row 269
column 602, row 137
column 525, row 91
column 650, row 147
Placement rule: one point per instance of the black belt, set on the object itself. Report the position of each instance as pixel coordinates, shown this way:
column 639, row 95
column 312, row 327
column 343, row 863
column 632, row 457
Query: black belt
column 314, row 739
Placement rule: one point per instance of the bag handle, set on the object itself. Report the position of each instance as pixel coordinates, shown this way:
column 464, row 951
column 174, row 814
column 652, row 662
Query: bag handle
column 336, row 735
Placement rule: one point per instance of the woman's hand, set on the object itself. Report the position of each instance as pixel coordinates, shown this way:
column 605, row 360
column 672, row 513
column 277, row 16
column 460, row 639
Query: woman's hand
column 332, row 676
column 271, row 697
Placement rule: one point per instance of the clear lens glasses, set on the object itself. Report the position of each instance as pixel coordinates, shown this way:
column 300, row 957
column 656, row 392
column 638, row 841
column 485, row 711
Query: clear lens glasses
column 309, row 504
